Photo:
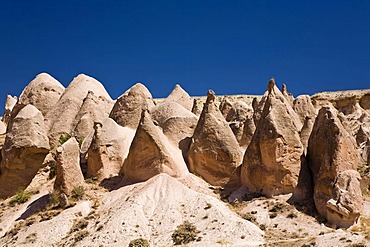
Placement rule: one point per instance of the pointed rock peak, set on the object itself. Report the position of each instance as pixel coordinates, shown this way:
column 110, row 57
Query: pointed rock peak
column 271, row 85
column 139, row 88
column 46, row 78
column 284, row 89
column 145, row 117
column 210, row 97
column 180, row 96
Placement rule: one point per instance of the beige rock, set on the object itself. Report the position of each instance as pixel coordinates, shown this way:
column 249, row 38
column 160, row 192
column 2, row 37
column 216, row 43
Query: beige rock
column 2, row 128
column 151, row 153
column 225, row 106
column 62, row 118
column 331, row 150
column 177, row 123
column 128, row 107
column 197, row 107
column 288, row 96
column 43, row 92
column 240, row 118
column 181, row 97
column 214, row 153
column 345, row 207
column 303, row 106
column 69, row 174
column 306, row 132
column 26, row 145
column 93, row 109
column 108, row 150
column 272, row 161
column 9, row 105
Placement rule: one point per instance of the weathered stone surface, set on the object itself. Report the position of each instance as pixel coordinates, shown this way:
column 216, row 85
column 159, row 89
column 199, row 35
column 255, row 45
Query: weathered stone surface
column 214, row 153
column 197, row 107
column 272, row 161
column 181, row 97
column 26, row 145
column 43, row 92
column 303, row 106
column 176, row 122
column 69, row 174
column 306, row 132
column 2, row 128
column 62, row 118
column 93, row 109
column 151, row 153
column 128, row 107
column 9, row 105
column 288, row 96
column 225, row 106
column 108, row 150
column 345, row 207
column 331, row 151
column 240, row 118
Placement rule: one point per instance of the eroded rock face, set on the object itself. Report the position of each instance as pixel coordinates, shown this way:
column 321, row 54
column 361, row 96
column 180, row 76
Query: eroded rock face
column 108, row 150
column 69, row 174
column 214, row 153
column 272, row 161
column 303, row 106
column 9, row 105
column 347, row 203
column 181, row 97
column 63, row 117
column 43, row 92
column 225, row 106
column 93, row 109
column 128, row 107
column 331, row 151
column 151, row 153
column 26, row 145
column 240, row 118
column 176, row 122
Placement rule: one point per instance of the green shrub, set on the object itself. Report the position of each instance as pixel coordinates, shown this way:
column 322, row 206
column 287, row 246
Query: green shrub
column 78, row 192
column 184, row 233
column 21, row 197
column 140, row 242
column 64, row 138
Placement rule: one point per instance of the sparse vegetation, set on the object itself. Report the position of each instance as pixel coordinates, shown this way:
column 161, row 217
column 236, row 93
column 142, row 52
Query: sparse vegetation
column 80, row 235
column 79, row 225
column 21, row 197
column 64, row 138
column 185, row 233
column 78, row 192
column 140, row 242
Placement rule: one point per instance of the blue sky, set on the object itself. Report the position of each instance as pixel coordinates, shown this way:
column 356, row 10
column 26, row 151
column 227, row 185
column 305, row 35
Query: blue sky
column 232, row 47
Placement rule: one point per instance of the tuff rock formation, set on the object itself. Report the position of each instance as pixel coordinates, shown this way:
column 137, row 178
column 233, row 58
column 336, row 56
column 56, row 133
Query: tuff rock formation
column 331, row 154
column 214, row 153
column 43, row 92
column 225, row 106
column 177, row 123
column 304, row 108
column 151, row 153
column 93, row 109
column 128, row 107
column 63, row 117
column 240, row 118
column 9, row 105
column 272, row 161
column 69, row 174
column 181, row 97
column 108, row 150
column 26, row 145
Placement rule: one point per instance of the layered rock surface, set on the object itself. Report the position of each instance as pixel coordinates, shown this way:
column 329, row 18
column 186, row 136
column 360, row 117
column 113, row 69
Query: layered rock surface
column 272, row 161
column 151, row 153
column 128, row 107
column 26, row 145
column 62, row 118
column 331, row 154
column 214, row 152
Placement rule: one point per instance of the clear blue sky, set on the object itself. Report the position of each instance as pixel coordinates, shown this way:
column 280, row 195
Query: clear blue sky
column 232, row 47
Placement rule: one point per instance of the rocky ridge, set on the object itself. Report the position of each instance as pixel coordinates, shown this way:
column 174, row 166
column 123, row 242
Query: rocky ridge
column 104, row 172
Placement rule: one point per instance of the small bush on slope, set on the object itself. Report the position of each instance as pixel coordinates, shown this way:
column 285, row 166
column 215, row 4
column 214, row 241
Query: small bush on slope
column 140, row 242
column 21, row 197
column 185, row 233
